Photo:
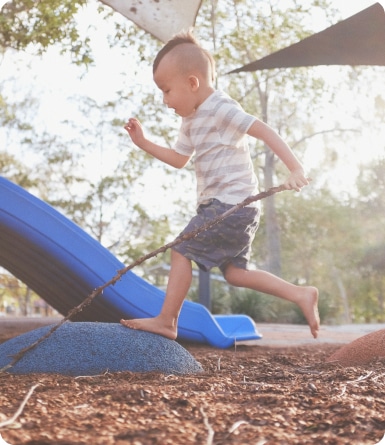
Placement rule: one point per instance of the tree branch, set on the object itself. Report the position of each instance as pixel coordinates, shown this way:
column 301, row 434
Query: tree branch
column 20, row 409
column 317, row 133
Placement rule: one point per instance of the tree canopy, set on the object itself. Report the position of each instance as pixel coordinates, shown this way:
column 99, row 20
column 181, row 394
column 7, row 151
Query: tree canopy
column 28, row 23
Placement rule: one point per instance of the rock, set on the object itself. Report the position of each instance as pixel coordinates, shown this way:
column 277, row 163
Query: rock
column 90, row 348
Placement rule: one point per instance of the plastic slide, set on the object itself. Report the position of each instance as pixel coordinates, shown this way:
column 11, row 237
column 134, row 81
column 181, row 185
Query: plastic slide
column 63, row 265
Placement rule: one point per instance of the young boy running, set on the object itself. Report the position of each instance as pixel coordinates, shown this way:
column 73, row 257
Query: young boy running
column 214, row 129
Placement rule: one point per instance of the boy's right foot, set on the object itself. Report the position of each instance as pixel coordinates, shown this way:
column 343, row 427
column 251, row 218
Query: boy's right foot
column 309, row 306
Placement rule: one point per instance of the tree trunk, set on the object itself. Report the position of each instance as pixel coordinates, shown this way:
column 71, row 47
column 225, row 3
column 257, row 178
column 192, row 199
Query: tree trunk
column 343, row 294
column 273, row 238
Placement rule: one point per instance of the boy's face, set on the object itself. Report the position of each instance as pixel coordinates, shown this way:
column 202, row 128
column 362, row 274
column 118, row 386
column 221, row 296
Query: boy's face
column 179, row 90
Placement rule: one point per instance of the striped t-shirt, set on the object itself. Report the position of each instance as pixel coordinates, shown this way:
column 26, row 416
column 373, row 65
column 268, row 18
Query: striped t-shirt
column 216, row 135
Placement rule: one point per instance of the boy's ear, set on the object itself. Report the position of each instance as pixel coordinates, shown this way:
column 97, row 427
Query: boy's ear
column 194, row 82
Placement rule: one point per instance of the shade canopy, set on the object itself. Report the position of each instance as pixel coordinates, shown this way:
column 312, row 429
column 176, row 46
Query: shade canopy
column 358, row 40
column 160, row 18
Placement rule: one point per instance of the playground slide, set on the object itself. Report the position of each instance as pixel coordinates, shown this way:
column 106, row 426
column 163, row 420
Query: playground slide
column 63, row 264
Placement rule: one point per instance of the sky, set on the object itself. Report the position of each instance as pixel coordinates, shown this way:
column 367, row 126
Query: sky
column 56, row 80
column 350, row 7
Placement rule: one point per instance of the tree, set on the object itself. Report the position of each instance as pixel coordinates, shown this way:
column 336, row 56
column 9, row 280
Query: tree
column 370, row 207
column 27, row 23
column 11, row 122
column 319, row 238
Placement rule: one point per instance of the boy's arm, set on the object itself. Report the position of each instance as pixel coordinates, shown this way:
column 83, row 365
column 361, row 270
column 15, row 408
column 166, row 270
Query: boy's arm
column 270, row 137
column 164, row 154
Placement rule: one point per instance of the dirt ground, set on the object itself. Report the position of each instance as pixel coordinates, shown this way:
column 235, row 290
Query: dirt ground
column 278, row 391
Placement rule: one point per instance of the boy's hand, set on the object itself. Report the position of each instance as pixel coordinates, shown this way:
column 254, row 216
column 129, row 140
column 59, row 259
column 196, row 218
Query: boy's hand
column 135, row 130
column 296, row 180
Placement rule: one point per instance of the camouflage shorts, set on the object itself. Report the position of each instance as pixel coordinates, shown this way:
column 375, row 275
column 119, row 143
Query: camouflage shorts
column 227, row 242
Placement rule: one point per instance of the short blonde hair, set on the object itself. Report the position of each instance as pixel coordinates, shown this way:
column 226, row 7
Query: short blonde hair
column 196, row 57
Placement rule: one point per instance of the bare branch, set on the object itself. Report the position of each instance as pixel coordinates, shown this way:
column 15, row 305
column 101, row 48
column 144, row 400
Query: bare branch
column 211, row 432
column 317, row 133
column 20, row 409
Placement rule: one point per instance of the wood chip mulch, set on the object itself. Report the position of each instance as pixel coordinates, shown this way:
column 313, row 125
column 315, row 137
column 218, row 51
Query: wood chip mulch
column 248, row 395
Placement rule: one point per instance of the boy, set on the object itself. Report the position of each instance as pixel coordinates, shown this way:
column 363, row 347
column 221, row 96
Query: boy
column 214, row 129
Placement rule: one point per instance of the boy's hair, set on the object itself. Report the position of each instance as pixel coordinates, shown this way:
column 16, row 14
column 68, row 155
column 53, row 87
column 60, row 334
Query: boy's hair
column 180, row 39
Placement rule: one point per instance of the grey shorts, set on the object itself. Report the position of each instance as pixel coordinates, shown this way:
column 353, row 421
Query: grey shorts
column 227, row 242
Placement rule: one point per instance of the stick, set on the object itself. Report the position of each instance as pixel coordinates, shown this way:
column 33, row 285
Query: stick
column 210, row 431
column 121, row 272
column 20, row 409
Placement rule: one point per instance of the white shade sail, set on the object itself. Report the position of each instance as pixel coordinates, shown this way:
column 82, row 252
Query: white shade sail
column 161, row 18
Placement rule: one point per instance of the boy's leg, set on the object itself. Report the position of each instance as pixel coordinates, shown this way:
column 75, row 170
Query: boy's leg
column 179, row 281
column 306, row 297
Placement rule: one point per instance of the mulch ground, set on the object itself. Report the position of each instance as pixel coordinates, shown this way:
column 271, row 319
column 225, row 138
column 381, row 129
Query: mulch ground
column 247, row 395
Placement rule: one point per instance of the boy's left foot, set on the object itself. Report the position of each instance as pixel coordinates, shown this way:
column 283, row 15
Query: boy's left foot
column 154, row 325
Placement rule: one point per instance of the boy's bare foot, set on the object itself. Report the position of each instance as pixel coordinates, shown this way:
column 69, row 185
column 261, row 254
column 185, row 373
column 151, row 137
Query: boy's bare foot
column 154, row 325
column 309, row 306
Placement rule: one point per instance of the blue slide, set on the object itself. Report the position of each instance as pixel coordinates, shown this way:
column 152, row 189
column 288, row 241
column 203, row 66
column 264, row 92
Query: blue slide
column 63, row 265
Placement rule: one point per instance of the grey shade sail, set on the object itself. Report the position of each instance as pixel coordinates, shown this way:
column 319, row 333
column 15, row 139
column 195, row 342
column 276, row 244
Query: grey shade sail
column 358, row 40
column 161, row 18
